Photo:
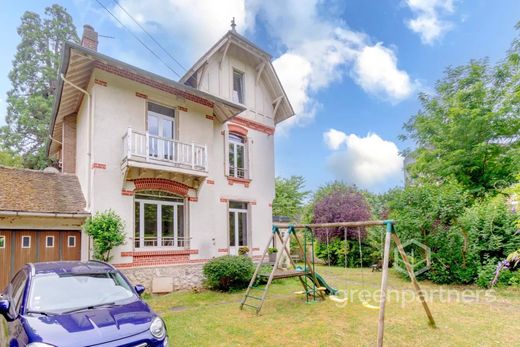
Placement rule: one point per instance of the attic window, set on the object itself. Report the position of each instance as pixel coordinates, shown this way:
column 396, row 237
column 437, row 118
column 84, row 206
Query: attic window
column 238, row 86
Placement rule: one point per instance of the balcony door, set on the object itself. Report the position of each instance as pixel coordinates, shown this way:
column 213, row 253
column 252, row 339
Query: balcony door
column 161, row 132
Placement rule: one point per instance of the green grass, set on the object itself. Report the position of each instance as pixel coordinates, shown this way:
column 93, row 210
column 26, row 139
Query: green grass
column 214, row 319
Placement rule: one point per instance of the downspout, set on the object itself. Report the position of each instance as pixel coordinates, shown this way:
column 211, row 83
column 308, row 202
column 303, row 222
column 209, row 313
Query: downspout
column 90, row 172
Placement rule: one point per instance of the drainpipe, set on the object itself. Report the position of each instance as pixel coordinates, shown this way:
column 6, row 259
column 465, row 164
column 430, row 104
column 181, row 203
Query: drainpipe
column 89, row 141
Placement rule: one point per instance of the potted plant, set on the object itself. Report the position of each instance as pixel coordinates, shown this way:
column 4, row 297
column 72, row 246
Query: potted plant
column 244, row 250
column 272, row 254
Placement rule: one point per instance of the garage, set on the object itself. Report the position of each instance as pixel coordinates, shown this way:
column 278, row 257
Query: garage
column 41, row 214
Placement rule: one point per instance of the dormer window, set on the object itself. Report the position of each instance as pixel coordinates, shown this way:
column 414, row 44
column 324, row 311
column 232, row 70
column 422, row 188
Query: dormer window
column 238, row 86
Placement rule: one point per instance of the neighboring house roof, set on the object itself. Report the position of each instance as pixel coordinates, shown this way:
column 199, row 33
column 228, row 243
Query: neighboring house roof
column 77, row 64
column 264, row 69
column 38, row 192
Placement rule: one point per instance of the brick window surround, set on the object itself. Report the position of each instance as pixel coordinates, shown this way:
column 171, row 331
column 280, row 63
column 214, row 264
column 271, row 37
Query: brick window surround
column 161, row 184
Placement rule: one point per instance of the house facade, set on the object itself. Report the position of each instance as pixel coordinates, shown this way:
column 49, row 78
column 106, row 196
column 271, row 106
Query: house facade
column 188, row 165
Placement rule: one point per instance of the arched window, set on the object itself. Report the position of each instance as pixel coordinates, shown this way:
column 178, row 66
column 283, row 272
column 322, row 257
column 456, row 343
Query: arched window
column 237, row 156
column 159, row 220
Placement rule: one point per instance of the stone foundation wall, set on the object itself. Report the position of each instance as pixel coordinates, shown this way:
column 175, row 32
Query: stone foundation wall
column 185, row 276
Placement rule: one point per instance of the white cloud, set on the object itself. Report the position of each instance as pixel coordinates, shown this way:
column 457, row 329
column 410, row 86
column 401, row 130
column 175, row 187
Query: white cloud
column 317, row 49
column 428, row 22
column 365, row 161
column 375, row 70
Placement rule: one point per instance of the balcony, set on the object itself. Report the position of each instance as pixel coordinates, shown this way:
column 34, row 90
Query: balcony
column 144, row 150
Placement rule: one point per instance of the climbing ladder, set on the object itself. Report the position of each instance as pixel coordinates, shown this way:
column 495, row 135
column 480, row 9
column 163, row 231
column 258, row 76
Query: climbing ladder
column 255, row 297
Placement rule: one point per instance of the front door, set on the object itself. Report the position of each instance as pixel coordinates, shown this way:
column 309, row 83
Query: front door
column 237, row 226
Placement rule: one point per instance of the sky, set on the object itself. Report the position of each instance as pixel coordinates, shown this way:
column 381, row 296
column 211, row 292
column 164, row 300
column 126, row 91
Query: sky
column 351, row 69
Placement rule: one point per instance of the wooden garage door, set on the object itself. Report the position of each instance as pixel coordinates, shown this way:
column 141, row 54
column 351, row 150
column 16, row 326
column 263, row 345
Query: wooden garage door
column 18, row 247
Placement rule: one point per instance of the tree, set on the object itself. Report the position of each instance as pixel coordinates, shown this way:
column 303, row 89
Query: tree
column 469, row 128
column 289, row 196
column 8, row 159
column 33, row 77
column 107, row 231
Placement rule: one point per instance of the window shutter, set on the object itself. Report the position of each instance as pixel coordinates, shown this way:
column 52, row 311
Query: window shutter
column 249, row 161
column 226, row 151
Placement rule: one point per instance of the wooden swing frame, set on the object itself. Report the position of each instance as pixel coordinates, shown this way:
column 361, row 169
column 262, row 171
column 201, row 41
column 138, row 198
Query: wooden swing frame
column 390, row 235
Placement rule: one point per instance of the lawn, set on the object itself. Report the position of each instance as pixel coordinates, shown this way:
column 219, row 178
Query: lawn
column 214, row 319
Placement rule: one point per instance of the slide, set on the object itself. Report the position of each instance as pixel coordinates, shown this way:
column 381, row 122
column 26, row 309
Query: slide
column 329, row 290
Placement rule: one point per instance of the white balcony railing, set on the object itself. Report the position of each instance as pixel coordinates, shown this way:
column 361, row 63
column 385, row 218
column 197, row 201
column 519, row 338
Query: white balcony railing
column 146, row 147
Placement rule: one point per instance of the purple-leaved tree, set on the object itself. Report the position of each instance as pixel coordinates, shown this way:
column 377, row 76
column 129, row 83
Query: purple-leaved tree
column 345, row 205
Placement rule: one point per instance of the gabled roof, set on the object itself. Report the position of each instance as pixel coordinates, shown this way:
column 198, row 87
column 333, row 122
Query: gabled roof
column 31, row 191
column 77, row 64
column 264, row 67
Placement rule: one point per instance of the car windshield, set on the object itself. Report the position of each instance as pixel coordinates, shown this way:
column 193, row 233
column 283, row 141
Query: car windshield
column 58, row 293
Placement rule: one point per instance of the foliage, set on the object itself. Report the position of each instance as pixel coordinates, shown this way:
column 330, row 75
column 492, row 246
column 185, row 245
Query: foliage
column 272, row 250
column 289, row 197
column 244, row 250
column 342, row 203
column 228, row 272
column 469, row 128
column 34, row 78
column 10, row 159
column 107, row 231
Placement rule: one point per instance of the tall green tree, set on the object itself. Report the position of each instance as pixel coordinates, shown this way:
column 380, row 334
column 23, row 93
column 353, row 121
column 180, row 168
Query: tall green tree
column 289, row 196
column 470, row 128
column 34, row 77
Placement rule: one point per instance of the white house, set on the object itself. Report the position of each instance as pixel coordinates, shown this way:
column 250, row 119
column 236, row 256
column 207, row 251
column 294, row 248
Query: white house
column 188, row 165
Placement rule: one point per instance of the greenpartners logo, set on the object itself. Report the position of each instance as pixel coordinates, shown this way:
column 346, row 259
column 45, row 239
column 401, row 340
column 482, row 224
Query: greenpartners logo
column 419, row 257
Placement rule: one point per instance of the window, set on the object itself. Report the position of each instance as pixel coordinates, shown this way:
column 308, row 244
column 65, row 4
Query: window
column 237, row 156
column 49, row 241
column 26, row 241
column 2, row 241
column 237, row 224
column 161, row 131
column 238, row 86
column 159, row 220
column 71, row 241
column 18, row 285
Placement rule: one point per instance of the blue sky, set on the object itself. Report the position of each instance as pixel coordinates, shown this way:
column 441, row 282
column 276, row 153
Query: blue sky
column 352, row 69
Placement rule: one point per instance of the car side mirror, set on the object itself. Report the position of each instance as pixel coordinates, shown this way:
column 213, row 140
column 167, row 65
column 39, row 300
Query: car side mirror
column 4, row 308
column 139, row 288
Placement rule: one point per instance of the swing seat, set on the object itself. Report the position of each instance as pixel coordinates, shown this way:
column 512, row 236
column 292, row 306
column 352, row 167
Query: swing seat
column 338, row 300
column 367, row 305
column 301, row 292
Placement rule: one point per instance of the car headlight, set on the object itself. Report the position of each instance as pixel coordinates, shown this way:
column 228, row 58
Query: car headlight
column 157, row 328
column 39, row 344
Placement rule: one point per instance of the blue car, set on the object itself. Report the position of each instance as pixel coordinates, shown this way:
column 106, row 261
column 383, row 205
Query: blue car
column 72, row 303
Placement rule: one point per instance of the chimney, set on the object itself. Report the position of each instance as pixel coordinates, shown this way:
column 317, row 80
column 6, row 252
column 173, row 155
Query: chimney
column 89, row 38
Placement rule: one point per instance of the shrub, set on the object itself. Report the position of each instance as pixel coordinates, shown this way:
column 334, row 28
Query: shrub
column 272, row 250
column 228, row 273
column 107, row 231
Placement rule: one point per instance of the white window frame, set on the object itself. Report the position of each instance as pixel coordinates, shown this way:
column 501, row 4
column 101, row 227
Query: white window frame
column 71, row 237
column 4, row 239
column 236, row 212
column 160, row 140
column 243, row 89
column 47, row 238
column 234, row 164
column 29, row 238
column 159, row 204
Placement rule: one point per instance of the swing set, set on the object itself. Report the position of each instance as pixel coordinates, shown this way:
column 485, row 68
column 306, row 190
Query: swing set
column 314, row 286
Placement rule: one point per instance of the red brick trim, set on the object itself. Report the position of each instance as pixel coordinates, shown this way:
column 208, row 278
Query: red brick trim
column 100, row 82
column 99, row 166
column 223, row 250
column 237, row 129
column 254, row 125
column 210, row 117
column 163, row 252
column 161, row 184
column 127, row 192
column 152, row 83
column 224, row 200
column 210, row 181
column 154, row 258
column 193, row 199
column 141, row 95
column 183, row 109
column 270, row 205
column 256, row 249
column 253, row 203
column 233, row 180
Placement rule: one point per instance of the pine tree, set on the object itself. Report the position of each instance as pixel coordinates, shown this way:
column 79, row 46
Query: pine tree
column 33, row 77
